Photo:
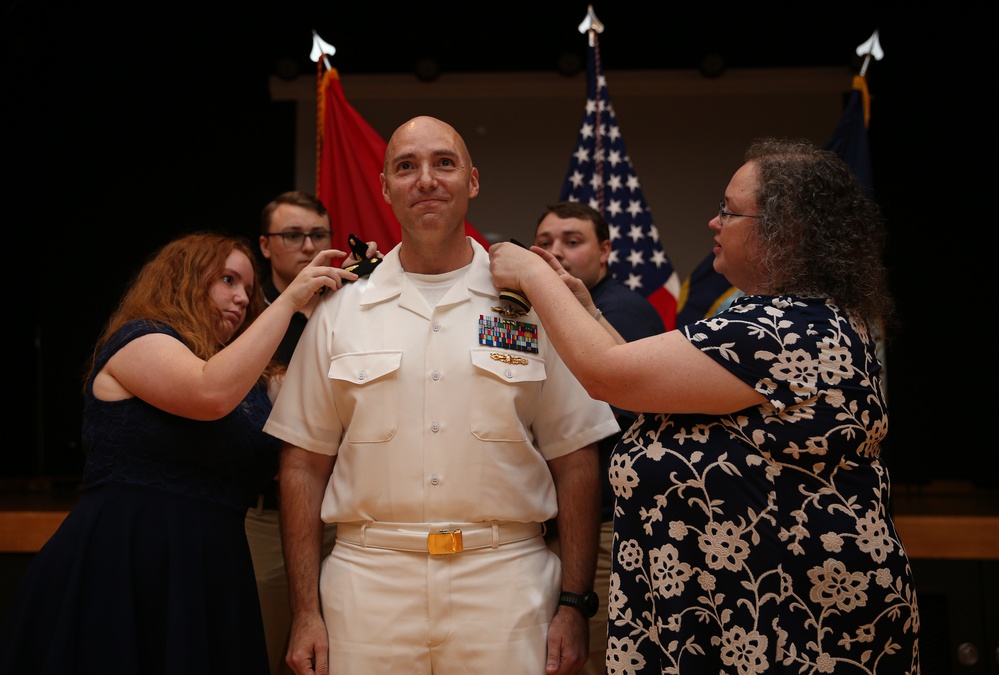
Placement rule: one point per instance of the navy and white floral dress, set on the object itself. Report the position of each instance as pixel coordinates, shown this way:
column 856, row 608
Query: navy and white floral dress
column 760, row 541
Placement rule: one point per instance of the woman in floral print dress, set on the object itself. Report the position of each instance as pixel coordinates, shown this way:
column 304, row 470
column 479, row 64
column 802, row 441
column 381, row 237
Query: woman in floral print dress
column 752, row 532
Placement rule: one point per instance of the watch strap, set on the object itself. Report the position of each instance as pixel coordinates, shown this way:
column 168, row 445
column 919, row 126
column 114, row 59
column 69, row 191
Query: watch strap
column 586, row 603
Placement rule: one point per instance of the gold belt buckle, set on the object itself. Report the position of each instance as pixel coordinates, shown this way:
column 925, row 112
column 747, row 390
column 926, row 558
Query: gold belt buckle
column 444, row 542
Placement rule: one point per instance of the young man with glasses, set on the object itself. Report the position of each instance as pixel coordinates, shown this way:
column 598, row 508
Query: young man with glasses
column 294, row 227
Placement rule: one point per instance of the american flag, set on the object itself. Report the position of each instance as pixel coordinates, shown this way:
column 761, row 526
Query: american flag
column 601, row 175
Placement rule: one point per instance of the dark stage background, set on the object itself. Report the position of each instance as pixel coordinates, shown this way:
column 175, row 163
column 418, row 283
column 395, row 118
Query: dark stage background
column 125, row 125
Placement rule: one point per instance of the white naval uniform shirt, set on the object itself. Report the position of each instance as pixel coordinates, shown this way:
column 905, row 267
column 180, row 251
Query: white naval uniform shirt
column 427, row 426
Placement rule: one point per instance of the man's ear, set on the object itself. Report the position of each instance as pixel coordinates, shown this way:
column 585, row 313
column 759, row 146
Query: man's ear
column 265, row 247
column 473, row 183
column 605, row 251
column 385, row 191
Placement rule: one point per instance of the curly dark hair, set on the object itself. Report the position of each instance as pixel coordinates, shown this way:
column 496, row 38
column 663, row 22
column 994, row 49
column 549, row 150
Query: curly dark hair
column 818, row 234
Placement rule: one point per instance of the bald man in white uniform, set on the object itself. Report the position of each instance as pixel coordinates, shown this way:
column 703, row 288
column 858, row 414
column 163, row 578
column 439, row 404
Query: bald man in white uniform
column 439, row 429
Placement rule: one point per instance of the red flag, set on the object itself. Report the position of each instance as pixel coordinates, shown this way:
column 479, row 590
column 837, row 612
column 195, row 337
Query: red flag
column 350, row 156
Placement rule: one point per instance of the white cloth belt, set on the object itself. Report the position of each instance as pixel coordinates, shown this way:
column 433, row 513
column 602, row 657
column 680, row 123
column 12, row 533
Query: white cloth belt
column 436, row 539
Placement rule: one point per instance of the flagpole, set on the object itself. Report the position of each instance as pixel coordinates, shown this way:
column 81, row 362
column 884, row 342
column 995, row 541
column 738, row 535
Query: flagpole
column 871, row 47
column 591, row 26
column 321, row 48
column 601, row 175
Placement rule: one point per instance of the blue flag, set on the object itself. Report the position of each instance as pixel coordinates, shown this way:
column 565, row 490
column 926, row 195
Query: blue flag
column 849, row 141
column 601, row 175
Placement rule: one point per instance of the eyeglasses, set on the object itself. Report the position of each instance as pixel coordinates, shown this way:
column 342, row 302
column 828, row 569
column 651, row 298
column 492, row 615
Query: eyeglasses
column 722, row 213
column 319, row 238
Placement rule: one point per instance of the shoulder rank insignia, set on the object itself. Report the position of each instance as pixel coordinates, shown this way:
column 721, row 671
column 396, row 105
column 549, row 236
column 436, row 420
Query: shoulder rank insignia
column 365, row 265
column 516, row 304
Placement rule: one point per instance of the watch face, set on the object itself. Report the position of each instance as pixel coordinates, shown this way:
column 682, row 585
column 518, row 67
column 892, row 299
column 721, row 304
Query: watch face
column 591, row 603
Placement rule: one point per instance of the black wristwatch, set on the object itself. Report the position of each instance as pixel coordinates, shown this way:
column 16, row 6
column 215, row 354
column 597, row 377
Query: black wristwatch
column 587, row 603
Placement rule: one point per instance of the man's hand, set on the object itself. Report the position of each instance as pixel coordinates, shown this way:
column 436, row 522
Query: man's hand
column 316, row 278
column 308, row 646
column 568, row 642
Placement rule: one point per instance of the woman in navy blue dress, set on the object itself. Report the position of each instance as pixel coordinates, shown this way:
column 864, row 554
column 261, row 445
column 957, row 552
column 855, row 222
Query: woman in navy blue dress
column 150, row 572
column 751, row 528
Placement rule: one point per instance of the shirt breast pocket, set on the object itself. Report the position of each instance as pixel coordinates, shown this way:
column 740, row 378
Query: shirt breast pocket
column 366, row 390
column 505, row 391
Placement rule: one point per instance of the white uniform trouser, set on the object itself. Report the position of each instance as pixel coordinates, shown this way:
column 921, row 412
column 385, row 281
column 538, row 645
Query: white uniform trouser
column 483, row 611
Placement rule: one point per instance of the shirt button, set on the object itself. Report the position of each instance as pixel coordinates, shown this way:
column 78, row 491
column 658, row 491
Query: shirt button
column 509, row 374
column 435, row 479
column 435, row 427
column 361, row 376
column 437, row 327
column 435, row 376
